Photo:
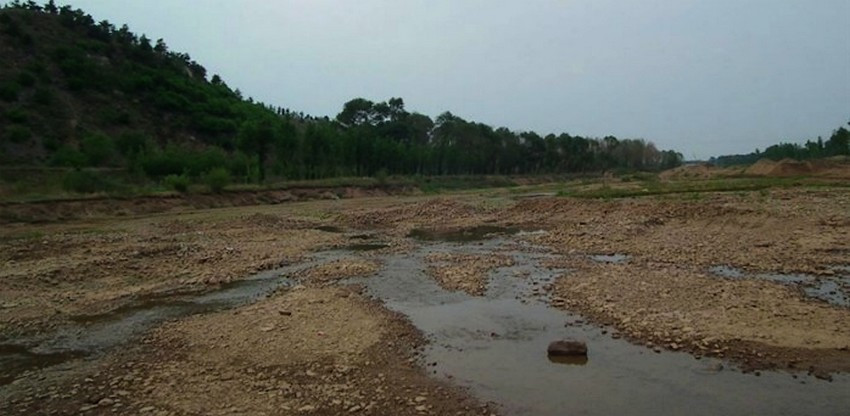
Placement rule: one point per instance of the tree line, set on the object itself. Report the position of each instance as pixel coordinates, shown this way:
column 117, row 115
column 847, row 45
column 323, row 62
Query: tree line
column 172, row 119
column 838, row 144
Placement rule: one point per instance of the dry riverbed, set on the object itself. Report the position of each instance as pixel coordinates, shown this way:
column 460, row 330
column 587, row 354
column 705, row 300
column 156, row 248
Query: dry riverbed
column 322, row 346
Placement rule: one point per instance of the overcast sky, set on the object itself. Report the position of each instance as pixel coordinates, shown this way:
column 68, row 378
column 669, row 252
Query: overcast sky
column 703, row 77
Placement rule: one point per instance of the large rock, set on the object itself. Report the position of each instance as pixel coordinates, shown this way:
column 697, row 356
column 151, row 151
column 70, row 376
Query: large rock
column 565, row 348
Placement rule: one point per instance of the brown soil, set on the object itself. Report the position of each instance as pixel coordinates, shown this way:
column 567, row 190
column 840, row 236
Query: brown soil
column 466, row 272
column 759, row 323
column 82, row 208
column 58, row 272
column 837, row 167
column 306, row 351
column 784, row 167
column 334, row 271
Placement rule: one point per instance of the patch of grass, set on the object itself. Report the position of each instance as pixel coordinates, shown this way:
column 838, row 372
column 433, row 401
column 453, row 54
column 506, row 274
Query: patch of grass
column 23, row 235
column 698, row 188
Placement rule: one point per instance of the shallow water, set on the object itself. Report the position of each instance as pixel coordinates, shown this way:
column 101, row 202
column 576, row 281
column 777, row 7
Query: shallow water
column 91, row 335
column 366, row 246
column 496, row 345
column 834, row 290
column 610, row 258
column 477, row 233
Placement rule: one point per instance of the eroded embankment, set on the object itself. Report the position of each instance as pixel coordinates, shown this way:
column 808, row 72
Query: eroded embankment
column 99, row 207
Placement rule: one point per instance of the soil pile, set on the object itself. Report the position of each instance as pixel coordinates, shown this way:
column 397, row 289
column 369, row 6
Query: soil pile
column 784, row 167
column 700, row 171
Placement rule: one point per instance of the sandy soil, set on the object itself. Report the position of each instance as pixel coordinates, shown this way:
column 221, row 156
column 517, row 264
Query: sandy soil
column 309, row 351
column 51, row 273
column 466, row 272
column 326, row 349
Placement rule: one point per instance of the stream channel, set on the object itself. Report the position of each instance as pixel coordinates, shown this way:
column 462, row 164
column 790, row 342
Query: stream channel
column 494, row 345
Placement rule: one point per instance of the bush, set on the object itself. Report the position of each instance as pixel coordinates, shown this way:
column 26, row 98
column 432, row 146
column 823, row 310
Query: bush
column 43, row 96
column 381, row 176
column 204, row 161
column 17, row 134
column 113, row 116
column 82, row 181
column 68, row 156
column 9, row 91
column 16, row 115
column 26, row 79
column 130, row 144
column 217, row 179
column 179, row 183
column 97, row 148
column 51, row 143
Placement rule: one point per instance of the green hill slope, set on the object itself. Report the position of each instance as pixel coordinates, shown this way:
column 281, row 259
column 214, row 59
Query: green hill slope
column 76, row 92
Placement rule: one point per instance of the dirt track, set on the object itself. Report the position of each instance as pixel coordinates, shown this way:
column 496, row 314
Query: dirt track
column 326, row 348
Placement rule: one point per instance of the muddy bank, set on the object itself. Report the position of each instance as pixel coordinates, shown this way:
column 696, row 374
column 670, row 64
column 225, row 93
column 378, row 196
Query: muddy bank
column 75, row 209
column 758, row 324
column 303, row 351
column 53, row 273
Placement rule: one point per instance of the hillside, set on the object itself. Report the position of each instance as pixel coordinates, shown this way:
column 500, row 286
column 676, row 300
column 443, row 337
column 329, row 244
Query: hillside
column 96, row 107
column 67, row 82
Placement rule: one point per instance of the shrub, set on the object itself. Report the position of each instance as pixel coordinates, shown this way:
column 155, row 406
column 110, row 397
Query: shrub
column 97, row 148
column 83, row 181
column 217, row 179
column 179, row 183
column 381, row 176
column 68, row 156
column 26, row 79
column 51, row 143
column 17, row 134
column 113, row 116
column 43, row 96
column 9, row 91
column 130, row 144
column 16, row 115
column 205, row 161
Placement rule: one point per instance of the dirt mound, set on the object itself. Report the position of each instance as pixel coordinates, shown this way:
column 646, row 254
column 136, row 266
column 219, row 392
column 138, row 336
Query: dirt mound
column 699, row 171
column 836, row 167
column 784, row 167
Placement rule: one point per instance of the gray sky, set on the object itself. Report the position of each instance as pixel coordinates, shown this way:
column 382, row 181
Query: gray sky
column 703, row 77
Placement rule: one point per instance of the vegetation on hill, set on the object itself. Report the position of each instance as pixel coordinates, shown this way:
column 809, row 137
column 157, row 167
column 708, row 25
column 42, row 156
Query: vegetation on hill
column 86, row 97
column 838, row 144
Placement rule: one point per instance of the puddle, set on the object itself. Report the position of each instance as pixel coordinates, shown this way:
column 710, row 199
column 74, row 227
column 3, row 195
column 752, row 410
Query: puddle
column 727, row 271
column 366, row 246
column 610, row 258
column 495, row 345
column 834, row 290
column 91, row 335
column 15, row 359
column 477, row 233
column 330, row 229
